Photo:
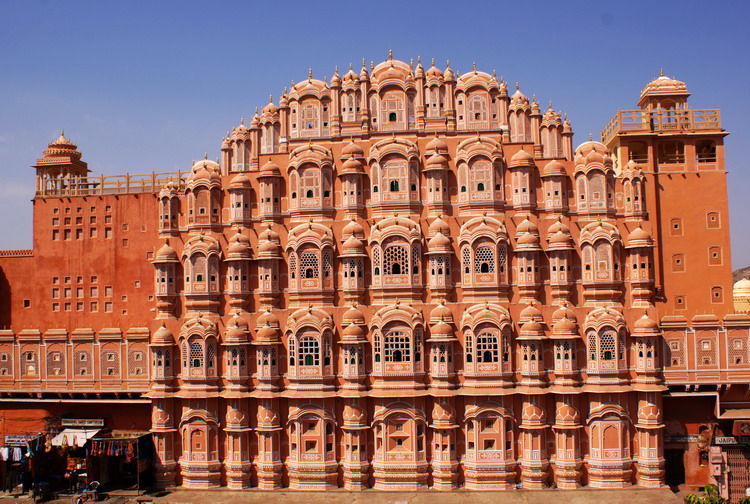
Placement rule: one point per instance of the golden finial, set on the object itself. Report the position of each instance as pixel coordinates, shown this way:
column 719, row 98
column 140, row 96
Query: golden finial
column 419, row 60
column 411, row 63
column 309, row 74
column 390, row 54
column 270, row 98
column 364, row 64
column 494, row 73
column 350, row 67
column 565, row 116
column 474, row 65
column 242, row 121
column 661, row 72
column 309, row 144
column 293, row 84
column 372, row 65
column 550, row 104
column 205, row 155
column 336, row 71
column 448, row 63
column 591, row 137
column 62, row 133
column 256, row 110
column 516, row 85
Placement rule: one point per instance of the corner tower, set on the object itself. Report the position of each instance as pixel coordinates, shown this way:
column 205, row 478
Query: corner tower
column 60, row 168
column 679, row 152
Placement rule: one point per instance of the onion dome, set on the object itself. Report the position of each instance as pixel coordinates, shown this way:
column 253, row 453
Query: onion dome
column 352, row 165
column 591, row 152
column 336, row 80
column 267, row 418
column 352, row 334
column 518, row 98
column 171, row 188
column 240, row 130
column 521, row 158
column 266, row 335
column 645, row 326
column 62, row 151
column 560, row 241
column 535, row 110
column 533, row 415
column 269, row 234
column 353, row 228
column 639, row 238
column 531, row 330
column 441, row 313
column 363, row 75
column 526, row 226
column 440, row 244
column 162, row 336
column 441, row 331
column 270, row 109
column 267, row 318
column 240, row 181
column 355, row 416
column 205, row 169
column 235, row 333
column 166, row 254
column 649, row 415
column 594, row 157
column 270, row 169
column 352, row 150
column 554, row 169
column 255, row 121
column 352, row 246
column 433, row 71
column 741, row 288
column 563, row 312
column 239, row 247
column 436, row 162
column 443, row 416
column 565, row 328
column 439, row 226
column 664, row 86
column 528, row 241
column 268, row 249
column 531, row 312
column 226, row 142
column 353, row 316
column 436, row 145
column 567, row 127
column 448, row 74
column 558, row 226
column 567, row 416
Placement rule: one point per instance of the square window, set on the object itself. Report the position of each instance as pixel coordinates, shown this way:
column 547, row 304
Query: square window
column 107, row 233
column 55, row 306
column 93, row 279
column 94, row 306
column 108, row 307
column 66, row 280
column 26, row 303
column 93, row 232
column 79, row 306
column 107, row 291
column 67, row 306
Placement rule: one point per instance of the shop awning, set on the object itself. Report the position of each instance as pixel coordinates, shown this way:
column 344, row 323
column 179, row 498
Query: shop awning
column 736, row 414
column 71, row 437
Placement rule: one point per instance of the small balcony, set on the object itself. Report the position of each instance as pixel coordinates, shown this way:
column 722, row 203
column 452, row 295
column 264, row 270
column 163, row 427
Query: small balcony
column 656, row 121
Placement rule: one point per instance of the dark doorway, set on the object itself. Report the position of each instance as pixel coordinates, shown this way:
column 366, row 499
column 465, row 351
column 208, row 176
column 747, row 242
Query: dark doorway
column 675, row 467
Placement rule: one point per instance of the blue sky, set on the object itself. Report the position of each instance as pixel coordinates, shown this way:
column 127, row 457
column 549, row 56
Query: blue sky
column 147, row 86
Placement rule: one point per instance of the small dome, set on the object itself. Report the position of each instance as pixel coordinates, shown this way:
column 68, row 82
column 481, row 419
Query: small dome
column 639, row 237
column 235, row 334
column 441, row 312
column 352, row 150
column 352, row 332
column 352, row 165
column 519, row 98
column 448, row 74
column 270, row 168
column 270, row 108
column 565, row 327
column 521, row 158
column 162, row 336
column 267, row 333
column 436, row 162
column 532, row 414
column 267, row 417
column 205, row 169
column 439, row 225
column 241, row 181
column 353, row 244
column 554, row 169
column 443, row 414
column 436, row 145
column 439, row 241
column 646, row 324
column 594, row 157
column 741, row 287
column 526, row 226
column 268, row 318
column 563, row 312
column 531, row 312
column 560, row 238
column 166, row 254
column 441, row 330
column 433, row 71
column 567, row 415
column 354, row 316
column 268, row 247
column 354, row 414
column 664, row 85
column 353, row 228
column 531, row 330
column 527, row 240
column 558, row 225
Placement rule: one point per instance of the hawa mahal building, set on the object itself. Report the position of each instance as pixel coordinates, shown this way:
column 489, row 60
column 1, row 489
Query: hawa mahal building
column 401, row 279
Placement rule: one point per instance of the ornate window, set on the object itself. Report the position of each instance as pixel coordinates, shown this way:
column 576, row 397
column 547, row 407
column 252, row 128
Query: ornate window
column 397, row 347
column 309, row 351
column 487, row 348
column 309, row 265
column 395, row 260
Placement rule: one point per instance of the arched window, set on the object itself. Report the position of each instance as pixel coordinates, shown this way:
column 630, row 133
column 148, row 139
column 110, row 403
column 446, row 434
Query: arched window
column 395, row 260
column 309, row 265
column 397, row 347
column 309, row 351
column 706, row 151
column 484, row 260
column 487, row 347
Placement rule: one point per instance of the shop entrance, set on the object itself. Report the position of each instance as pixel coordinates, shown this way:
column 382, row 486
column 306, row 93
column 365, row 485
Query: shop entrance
column 738, row 460
column 675, row 467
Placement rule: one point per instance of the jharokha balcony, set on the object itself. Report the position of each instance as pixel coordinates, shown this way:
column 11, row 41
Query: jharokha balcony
column 658, row 120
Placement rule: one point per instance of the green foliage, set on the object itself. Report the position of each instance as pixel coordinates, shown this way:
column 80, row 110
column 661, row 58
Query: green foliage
column 711, row 496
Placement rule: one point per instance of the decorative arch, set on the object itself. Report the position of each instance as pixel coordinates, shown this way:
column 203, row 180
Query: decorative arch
column 484, row 246
column 311, row 250
column 396, row 244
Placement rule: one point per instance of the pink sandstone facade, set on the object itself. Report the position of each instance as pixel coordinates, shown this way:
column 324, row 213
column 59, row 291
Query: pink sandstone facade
column 402, row 279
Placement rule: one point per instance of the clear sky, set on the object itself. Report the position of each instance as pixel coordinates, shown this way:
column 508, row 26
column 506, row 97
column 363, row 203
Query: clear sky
column 146, row 86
